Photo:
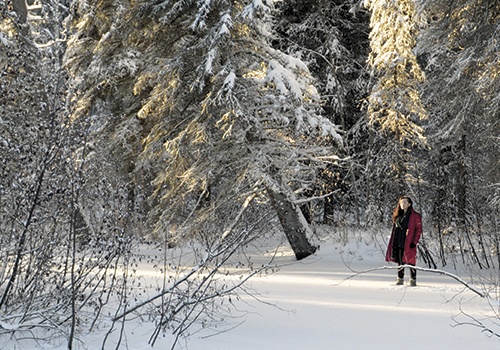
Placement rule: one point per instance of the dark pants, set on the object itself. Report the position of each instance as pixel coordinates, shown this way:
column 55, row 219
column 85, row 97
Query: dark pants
column 401, row 270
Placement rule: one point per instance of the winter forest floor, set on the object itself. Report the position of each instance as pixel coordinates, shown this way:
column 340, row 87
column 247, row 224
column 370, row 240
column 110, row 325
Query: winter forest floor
column 319, row 303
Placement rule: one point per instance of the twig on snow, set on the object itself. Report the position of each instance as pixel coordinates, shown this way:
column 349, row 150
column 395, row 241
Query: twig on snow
column 441, row 272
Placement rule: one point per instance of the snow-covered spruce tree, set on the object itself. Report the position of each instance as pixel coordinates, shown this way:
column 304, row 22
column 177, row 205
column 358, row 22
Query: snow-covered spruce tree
column 272, row 112
column 332, row 37
column 458, row 48
column 394, row 102
column 207, row 125
column 394, row 105
column 214, row 115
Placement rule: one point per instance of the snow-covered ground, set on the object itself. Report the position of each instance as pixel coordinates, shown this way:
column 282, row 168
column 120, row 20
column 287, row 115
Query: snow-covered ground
column 318, row 304
column 320, row 309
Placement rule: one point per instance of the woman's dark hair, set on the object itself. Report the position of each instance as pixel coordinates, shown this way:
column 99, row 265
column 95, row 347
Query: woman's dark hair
column 398, row 211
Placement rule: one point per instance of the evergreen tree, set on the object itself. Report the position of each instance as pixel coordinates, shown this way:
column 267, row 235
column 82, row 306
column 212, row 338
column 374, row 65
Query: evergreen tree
column 220, row 116
column 332, row 37
column 459, row 49
column 394, row 103
column 394, row 106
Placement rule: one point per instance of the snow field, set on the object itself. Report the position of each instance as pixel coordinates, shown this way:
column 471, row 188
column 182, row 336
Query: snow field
column 322, row 303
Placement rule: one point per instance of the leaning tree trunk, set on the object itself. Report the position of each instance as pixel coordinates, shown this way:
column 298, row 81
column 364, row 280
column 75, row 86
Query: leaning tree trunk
column 296, row 228
column 21, row 9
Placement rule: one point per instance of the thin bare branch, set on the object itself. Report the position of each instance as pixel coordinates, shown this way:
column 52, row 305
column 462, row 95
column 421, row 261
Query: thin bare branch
column 441, row 272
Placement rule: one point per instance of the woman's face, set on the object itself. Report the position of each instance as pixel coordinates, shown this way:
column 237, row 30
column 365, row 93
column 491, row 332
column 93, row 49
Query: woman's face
column 404, row 204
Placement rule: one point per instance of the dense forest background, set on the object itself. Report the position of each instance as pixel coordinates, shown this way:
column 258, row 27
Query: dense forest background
column 208, row 124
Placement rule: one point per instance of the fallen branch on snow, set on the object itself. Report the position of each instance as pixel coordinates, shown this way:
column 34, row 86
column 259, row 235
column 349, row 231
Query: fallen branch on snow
column 441, row 272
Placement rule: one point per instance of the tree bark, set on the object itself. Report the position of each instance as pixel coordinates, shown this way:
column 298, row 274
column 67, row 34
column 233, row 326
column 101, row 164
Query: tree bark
column 462, row 181
column 21, row 9
column 293, row 222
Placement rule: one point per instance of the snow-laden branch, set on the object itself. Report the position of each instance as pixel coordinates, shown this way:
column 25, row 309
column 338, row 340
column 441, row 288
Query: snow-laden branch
column 244, row 207
column 441, row 272
column 310, row 199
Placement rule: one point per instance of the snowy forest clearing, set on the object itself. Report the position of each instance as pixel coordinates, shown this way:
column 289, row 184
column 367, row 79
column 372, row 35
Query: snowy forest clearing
column 368, row 313
column 128, row 128
column 322, row 310
column 320, row 303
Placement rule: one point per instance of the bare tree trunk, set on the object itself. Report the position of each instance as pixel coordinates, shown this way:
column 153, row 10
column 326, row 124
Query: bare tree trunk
column 497, row 244
column 296, row 228
column 329, row 211
column 21, row 9
column 73, row 287
column 473, row 250
column 441, row 246
column 462, row 182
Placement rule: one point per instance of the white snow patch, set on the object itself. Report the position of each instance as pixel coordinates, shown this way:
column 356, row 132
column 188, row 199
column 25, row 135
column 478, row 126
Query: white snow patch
column 4, row 40
column 227, row 23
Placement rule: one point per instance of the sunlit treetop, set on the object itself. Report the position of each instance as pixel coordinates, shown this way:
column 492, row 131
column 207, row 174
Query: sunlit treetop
column 394, row 104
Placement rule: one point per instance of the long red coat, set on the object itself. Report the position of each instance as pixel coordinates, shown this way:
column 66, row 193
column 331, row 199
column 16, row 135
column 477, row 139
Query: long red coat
column 412, row 236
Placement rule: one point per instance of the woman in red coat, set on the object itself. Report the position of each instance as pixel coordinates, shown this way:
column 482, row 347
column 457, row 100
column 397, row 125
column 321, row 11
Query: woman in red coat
column 406, row 231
